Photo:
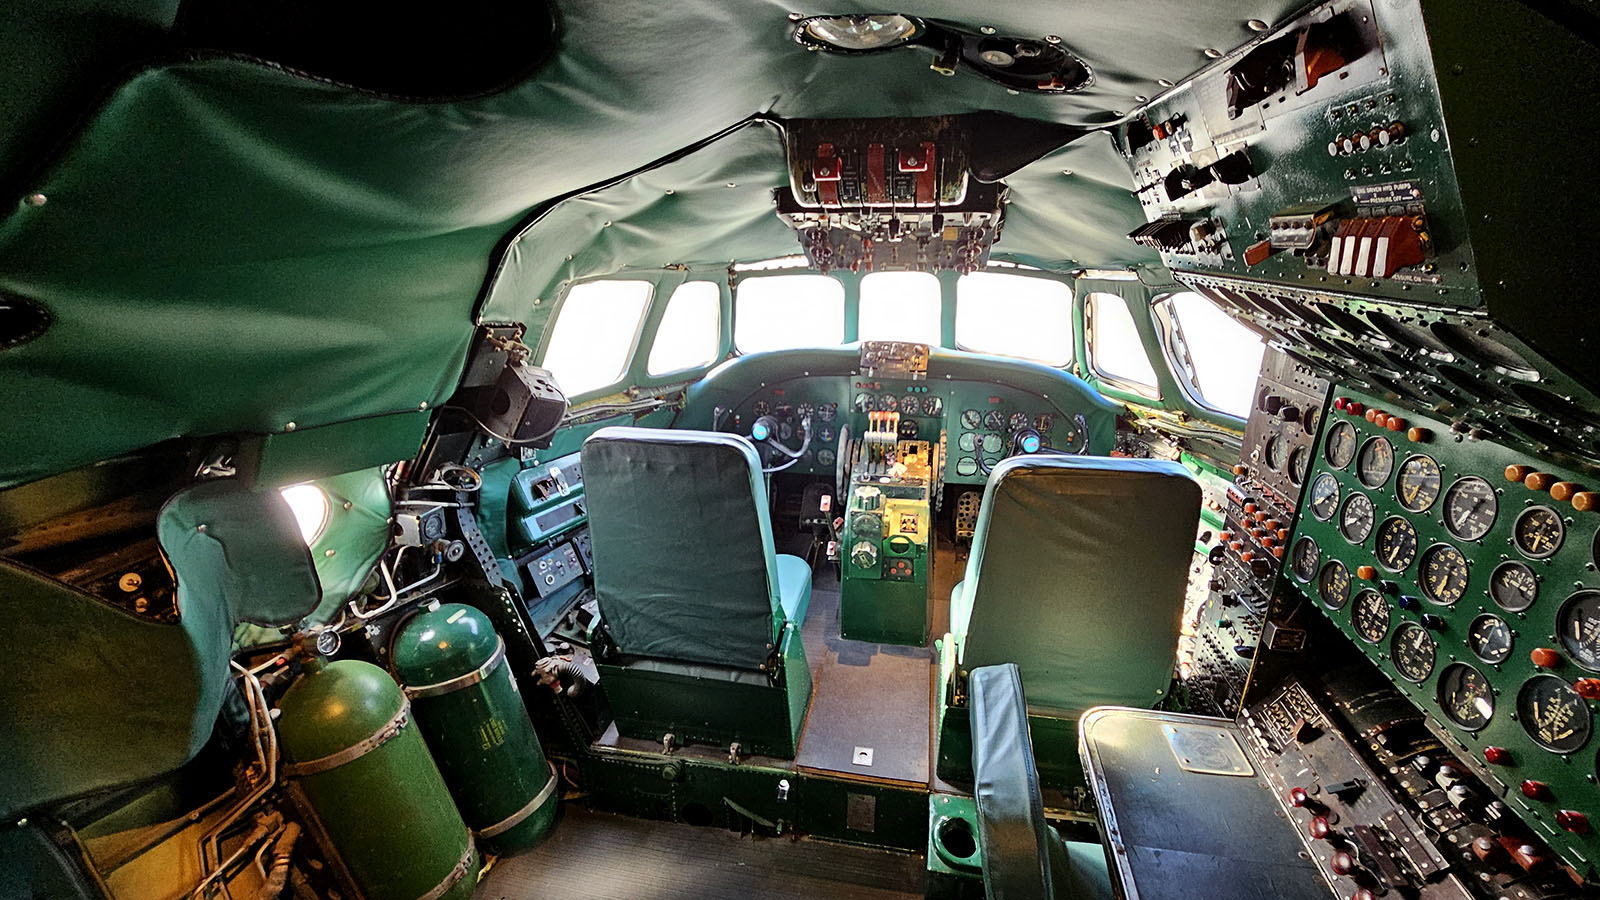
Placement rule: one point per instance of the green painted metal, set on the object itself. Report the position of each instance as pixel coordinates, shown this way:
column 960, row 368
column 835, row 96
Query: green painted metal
column 1055, row 747
column 467, row 704
column 955, row 861
column 346, row 707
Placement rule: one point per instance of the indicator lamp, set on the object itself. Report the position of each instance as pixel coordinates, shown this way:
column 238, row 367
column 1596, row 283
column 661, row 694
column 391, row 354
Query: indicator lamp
column 858, row 34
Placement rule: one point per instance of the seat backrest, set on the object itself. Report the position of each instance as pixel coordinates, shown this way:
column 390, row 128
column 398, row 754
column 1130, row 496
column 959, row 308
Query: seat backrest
column 683, row 555
column 1012, row 831
column 1077, row 574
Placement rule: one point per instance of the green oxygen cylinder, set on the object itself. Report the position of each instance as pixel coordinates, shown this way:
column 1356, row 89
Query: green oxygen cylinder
column 356, row 763
column 453, row 666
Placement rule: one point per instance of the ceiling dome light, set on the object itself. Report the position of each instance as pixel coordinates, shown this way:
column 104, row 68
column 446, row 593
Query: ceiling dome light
column 859, row 34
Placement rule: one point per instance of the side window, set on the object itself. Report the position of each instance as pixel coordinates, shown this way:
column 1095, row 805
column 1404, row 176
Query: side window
column 595, row 331
column 687, row 338
column 779, row 312
column 1015, row 315
column 899, row 306
column 1114, row 345
column 1217, row 356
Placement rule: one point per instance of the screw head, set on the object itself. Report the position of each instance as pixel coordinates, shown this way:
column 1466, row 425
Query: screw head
column 986, row 29
column 1257, row 25
column 36, row 199
column 1052, row 38
column 1212, row 53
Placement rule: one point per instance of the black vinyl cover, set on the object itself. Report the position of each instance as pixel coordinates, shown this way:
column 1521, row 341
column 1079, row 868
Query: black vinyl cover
column 1016, row 840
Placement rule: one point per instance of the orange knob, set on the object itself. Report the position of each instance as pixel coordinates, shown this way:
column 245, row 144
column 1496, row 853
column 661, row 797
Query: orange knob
column 1247, row 555
column 1545, row 658
column 1583, row 501
column 1241, row 469
column 1564, row 490
column 1283, row 534
column 1587, row 688
column 1396, row 423
column 1540, row 481
column 1518, row 473
column 1419, row 435
column 1278, row 552
column 1366, row 572
column 1372, row 415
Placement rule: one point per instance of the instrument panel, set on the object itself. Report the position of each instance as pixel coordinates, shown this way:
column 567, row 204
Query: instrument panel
column 1468, row 573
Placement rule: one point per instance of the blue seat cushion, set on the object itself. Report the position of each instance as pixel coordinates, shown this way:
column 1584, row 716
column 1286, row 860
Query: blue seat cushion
column 794, row 587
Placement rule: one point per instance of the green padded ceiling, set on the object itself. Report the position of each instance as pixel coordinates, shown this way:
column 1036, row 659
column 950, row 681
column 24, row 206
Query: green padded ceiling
column 229, row 246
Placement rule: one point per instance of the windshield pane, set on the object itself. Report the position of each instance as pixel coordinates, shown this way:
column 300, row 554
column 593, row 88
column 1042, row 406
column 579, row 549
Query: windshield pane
column 899, row 306
column 1015, row 315
column 1224, row 356
column 594, row 335
column 687, row 338
column 1117, row 351
column 778, row 312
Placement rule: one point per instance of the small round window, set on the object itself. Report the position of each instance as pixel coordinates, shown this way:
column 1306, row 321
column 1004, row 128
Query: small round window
column 310, row 507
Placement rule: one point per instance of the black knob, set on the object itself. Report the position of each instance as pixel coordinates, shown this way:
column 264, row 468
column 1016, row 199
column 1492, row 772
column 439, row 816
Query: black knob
column 1272, row 404
column 1290, row 413
column 1245, row 651
column 1429, row 620
column 1389, row 587
column 1260, row 568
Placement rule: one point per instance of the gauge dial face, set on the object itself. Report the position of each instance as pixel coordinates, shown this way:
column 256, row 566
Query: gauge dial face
column 761, row 408
column 1578, row 628
column 1369, row 615
column 1303, row 563
column 1355, row 521
column 1044, row 422
column 1272, row 453
column 993, row 443
column 1413, row 651
column 1470, row 507
column 1418, row 484
column 1444, row 574
column 1333, row 585
column 1553, row 714
column 1538, row 532
column 865, row 402
column 1513, row 586
column 911, row 405
column 971, row 419
column 1308, row 421
column 968, row 442
column 932, row 406
column 804, row 410
column 825, row 434
column 1299, row 463
column 1489, row 638
column 1019, row 421
column 1341, row 445
column 1324, row 496
column 828, row 411
column 826, row 457
column 966, row 465
column 1397, row 544
column 888, row 403
column 1376, row 462
column 994, row 420
column 1465, row 696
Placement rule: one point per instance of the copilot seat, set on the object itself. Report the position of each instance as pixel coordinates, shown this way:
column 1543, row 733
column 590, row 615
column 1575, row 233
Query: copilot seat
column 702, row 616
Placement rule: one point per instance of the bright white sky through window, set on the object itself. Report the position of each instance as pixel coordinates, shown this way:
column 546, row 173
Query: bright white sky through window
column 594, row 334
column 1225, row 354
column 778, row 312
column 1117, row 350
column 687, row 338
column 1014, row 315
column 899, row 306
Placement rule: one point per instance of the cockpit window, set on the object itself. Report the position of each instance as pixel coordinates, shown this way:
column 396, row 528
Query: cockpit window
column 1114, row 344
column 899, row 306
column 1015, row 315
column 687, row 337
column 1217, row 356
column 779, row 312
column 310, row 507
column 595, row 331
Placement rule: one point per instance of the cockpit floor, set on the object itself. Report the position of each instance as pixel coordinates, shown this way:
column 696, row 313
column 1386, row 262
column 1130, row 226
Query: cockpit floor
column 602, row 856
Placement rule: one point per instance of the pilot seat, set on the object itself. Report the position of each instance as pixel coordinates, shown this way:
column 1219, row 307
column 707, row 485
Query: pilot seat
column 701, row 617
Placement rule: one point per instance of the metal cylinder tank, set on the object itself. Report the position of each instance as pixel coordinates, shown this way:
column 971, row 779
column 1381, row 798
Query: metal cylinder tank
column 357, row 762
column 454, row 669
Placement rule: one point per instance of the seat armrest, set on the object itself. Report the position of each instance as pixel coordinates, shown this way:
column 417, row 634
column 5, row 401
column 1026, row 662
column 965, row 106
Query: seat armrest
column 794, row 587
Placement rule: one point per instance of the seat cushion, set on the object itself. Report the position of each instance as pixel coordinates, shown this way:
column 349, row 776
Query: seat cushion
column 794, row 587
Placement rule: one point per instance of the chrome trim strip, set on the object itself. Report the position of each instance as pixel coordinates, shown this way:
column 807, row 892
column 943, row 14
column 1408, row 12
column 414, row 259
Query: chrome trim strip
column 361, row 748
column 455, row 874
column 515, row 819
column 462, row 681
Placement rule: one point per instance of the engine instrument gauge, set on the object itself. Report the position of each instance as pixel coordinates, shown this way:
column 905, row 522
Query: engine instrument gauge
column 1333, row 585
column 1418, row 484
column 1553, row 714
column 971, row 419
column 804, row 410
column 1376, row 462
column 826, row 457
column 1489, row 638
column 911, row 405
column 1470, row 507
column 1019, row 421
column 1299, row 463
column 994, row 420
column 827, row 411
column 967, row 442
column 1324, row 496
column 1538, row 532
column 1369, row 615
column 932, row 406
column 1444, row 574
column 1413, row 651
column 1272, row 453
column 1465, row 696
column 1303, row 562
column 993, row 443
column 1355, row 520
column 1578, row 628
column 1308, row 421
column 761, row 408
column 888, row 403
column 1044, row 422
column 864, row 402
column 1397, row 544
column 1513, row 586
column 1341, row 445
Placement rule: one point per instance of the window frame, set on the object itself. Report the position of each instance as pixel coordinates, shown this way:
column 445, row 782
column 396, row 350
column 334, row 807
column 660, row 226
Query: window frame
column 1168, row 331
column 630, row 358
column 652, row 331
column 1075, row 322
column 1121, row 383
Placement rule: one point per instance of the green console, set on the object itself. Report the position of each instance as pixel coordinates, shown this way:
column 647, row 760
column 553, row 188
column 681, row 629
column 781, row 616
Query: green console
column 888, row 556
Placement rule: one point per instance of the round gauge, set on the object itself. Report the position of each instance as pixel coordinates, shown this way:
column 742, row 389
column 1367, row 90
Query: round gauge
column 1355, row 520
column 1370, row 616
column 1553, row 714
column 1444, row 574
column 993, row 443
column 1272, row 453
column 865, row 402
column 971, row 419
column 908, row 429
column 1578, row 628
column 888, row 403
column 1376, row 462
column 1299, row 463
column 1418, row 484
column 804, row 410
column 966, row 465
column 826, row 457
column 1513, row 586
column 825, row 434
column 911, row 405
column 932, row 406
column 1397, row 544
column 1469, row 508
column 1341, row 445
column 1413, row 651
column 1044, row 422
column 1538, row 532
column 967, row 442
column 1490, row 638
column 1308, row 421
column 1333, row 585
column 1303, row 563
column 1324, row 496
column 827, row 411
column 1465, row 696
column 1019, row 421
column 994, row 420
column 762, row 407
